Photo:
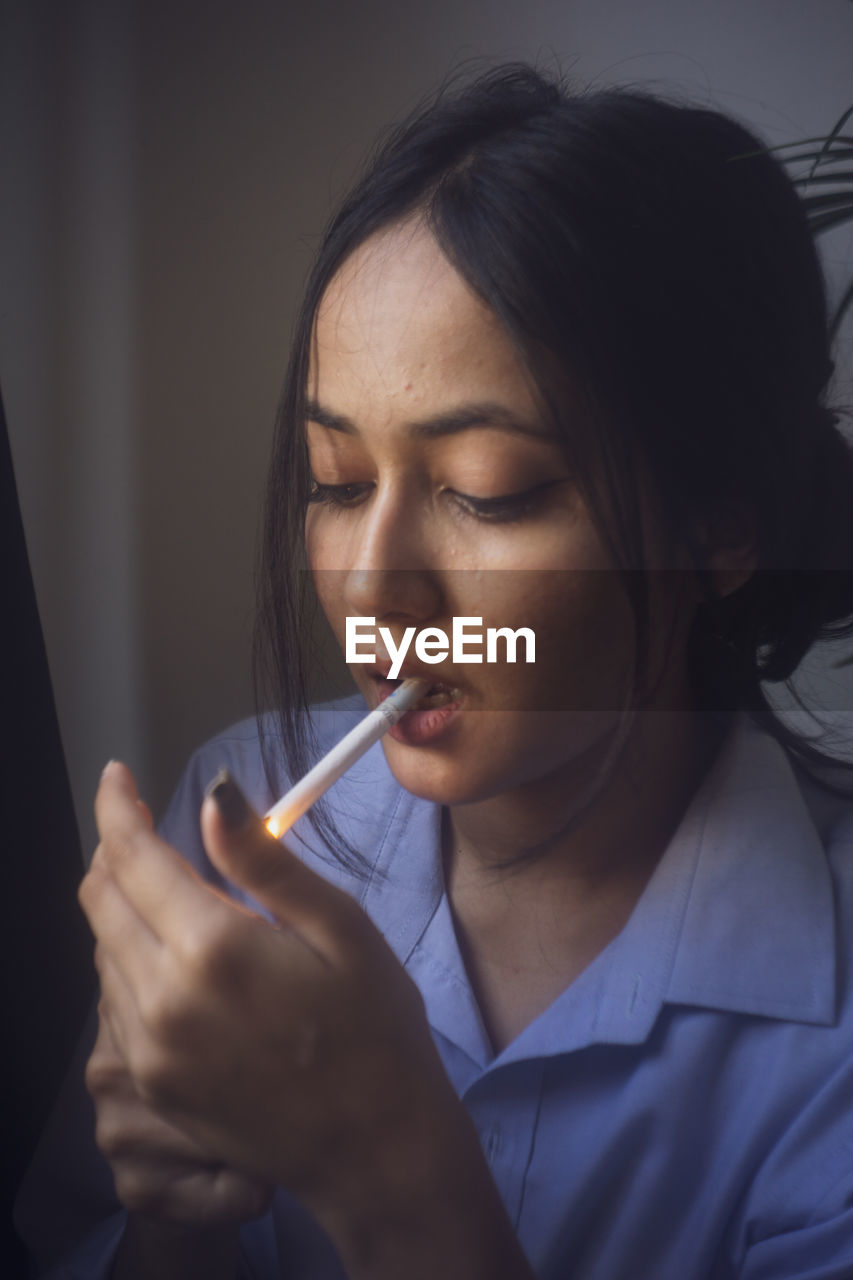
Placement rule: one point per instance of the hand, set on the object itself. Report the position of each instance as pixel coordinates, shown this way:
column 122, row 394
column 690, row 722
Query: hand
column 158, row 1170
column 298, row 1051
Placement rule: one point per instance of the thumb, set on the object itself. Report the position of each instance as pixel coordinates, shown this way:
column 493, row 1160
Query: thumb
column 244, row 851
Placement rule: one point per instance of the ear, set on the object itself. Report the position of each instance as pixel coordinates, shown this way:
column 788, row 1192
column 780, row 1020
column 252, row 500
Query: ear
column 731, row 552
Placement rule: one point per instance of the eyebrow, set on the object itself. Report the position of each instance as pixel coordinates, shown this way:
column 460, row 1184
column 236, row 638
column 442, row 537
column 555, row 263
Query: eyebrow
column 465, row 418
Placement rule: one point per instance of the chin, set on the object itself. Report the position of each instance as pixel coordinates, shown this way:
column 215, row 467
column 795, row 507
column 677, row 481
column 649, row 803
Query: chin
column 437, row 777
column 491, row 754
column 457, row 777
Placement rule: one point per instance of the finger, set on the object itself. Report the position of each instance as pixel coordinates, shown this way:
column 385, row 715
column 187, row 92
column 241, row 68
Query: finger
column 200, row 1195
column 117, row 926
column 226, row 1196
column 155, row 1163
column 121, row 1029
column 105, row 1051
column 243, row 850
column 122, row 781
column 146, row 813
column 107, row 1074
column 157, row 882
column 128, row 1123
column 238, row 1196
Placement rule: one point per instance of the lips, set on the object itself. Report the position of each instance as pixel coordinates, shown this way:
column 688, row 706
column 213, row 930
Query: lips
column 439, row 694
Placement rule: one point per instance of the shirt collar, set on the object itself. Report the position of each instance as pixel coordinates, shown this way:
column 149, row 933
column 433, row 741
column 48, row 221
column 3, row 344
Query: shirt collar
column 758, row 928
column 738, row 916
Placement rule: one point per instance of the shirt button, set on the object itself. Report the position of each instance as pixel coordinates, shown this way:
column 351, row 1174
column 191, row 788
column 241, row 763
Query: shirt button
column 492, row 1142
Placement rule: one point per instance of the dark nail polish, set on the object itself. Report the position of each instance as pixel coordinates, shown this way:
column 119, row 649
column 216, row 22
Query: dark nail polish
column 231, row 802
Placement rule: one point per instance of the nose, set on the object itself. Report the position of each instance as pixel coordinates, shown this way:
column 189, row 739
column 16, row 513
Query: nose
column 392, row 573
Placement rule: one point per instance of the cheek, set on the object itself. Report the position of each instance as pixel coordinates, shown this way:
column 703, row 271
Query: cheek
column 585, row 608
column 323, row 552
column 584, row 640
column 316, row 542
column 320, row 555
column 600, row 609
column 328, row 589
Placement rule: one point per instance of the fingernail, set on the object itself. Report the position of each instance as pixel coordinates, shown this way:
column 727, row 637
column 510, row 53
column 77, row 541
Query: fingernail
column 107, row 768
column 231, row 802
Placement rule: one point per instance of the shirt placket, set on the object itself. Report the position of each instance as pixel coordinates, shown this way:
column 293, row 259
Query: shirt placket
column 505, row 1105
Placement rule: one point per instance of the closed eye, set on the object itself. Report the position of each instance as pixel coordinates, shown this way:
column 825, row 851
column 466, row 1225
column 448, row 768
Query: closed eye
column 337, row 495
column 502, row 508
column 506, row 506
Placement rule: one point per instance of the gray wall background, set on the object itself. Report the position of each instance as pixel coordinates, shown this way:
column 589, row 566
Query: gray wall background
column 165, row 169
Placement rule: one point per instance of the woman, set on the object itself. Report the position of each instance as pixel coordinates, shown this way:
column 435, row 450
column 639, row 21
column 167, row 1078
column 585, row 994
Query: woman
column 556, row 983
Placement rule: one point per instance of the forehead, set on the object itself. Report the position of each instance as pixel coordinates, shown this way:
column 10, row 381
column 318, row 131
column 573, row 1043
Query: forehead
column 398, row 320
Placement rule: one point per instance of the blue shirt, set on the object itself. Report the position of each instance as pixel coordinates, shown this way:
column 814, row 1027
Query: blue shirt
column 684, row 1110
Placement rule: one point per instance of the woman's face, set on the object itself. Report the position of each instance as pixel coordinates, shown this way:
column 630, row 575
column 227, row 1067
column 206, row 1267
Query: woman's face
column 440, row 491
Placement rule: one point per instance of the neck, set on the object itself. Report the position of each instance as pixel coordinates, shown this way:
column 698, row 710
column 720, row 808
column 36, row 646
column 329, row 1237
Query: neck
column 542, row 878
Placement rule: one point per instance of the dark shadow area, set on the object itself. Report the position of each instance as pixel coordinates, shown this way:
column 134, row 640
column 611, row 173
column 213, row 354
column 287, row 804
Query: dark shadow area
column 47, row 973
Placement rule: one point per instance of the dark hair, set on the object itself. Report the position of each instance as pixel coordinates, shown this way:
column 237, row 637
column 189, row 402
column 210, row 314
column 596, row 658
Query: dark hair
column 654, row 253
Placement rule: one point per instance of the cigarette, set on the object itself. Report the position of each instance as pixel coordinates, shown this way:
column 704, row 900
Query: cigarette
column 317, row 781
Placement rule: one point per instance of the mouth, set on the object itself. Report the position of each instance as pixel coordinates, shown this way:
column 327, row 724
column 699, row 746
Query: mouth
column 433, row 720
column 439, row 694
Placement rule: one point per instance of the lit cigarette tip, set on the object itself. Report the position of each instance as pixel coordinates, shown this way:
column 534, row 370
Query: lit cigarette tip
column 342, row 756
